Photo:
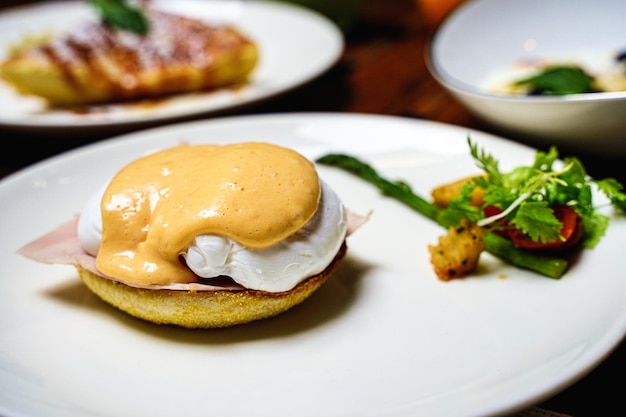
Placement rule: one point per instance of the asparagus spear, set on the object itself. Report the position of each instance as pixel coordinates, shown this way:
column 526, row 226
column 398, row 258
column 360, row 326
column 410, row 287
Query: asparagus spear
column 398, row 190
column 549, row 266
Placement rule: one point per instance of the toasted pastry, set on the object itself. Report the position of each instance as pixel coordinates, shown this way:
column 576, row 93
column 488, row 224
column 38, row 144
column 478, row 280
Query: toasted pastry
column 99, row 64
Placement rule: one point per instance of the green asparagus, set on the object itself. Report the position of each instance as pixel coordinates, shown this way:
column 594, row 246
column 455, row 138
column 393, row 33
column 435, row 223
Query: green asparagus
column 549, row 266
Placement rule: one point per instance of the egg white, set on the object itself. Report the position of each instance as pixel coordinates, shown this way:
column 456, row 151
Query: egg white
column 277, row 268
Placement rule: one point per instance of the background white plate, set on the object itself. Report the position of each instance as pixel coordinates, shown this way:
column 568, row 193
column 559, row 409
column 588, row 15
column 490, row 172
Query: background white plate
column 295, row 46
column 384, row 337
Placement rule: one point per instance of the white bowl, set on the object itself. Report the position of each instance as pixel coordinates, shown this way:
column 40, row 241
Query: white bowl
column 484, row 37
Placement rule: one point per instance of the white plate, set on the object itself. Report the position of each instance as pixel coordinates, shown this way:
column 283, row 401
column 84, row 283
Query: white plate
column 295, row 46
column 384, row 337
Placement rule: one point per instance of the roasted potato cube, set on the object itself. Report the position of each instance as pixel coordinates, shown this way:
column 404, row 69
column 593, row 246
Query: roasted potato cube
column 457, row 253
column 443, row 194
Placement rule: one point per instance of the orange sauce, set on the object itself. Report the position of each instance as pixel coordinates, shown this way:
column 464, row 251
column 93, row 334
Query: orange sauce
column 255, row 193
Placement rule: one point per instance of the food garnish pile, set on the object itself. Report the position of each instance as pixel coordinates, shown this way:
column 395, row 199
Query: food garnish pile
column 534, row 217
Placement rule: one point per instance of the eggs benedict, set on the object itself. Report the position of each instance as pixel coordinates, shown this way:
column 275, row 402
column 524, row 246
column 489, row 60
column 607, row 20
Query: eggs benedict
column 207, row 235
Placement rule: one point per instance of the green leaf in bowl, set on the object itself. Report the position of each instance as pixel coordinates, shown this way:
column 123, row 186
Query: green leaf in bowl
column 559, row 80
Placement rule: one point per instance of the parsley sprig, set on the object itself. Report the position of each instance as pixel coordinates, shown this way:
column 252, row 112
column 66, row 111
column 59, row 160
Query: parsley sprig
column 121, row 15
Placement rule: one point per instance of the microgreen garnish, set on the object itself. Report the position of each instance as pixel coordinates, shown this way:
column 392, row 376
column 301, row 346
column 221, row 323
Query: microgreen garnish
column 526, row 194
column 119, row 14
column 537, row 183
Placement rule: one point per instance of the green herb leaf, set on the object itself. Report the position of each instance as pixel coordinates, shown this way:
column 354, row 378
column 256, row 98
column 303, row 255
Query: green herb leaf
column 595, row 225
column 119, row 14
column 614, row 191
column 545, row 160
column 537, row 220
column 559, row 80
column 460, row 208
column 485, row 162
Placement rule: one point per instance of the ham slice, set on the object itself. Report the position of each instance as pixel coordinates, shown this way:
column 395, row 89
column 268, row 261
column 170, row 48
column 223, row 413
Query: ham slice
column 62, row 246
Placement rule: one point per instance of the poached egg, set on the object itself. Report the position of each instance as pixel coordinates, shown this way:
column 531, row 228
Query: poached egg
column 255, row 212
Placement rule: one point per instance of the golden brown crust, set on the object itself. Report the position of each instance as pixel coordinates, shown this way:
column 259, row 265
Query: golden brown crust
column 96, row 64
column 204, row 309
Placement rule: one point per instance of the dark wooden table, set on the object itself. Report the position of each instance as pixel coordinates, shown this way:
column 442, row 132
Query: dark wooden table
column 383, row 71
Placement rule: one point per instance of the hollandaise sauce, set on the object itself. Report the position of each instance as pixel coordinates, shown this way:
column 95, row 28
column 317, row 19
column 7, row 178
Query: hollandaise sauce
column 255, row 193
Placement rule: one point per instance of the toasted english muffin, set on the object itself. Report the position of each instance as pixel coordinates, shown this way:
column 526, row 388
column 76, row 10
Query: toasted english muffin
column 204, row 309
